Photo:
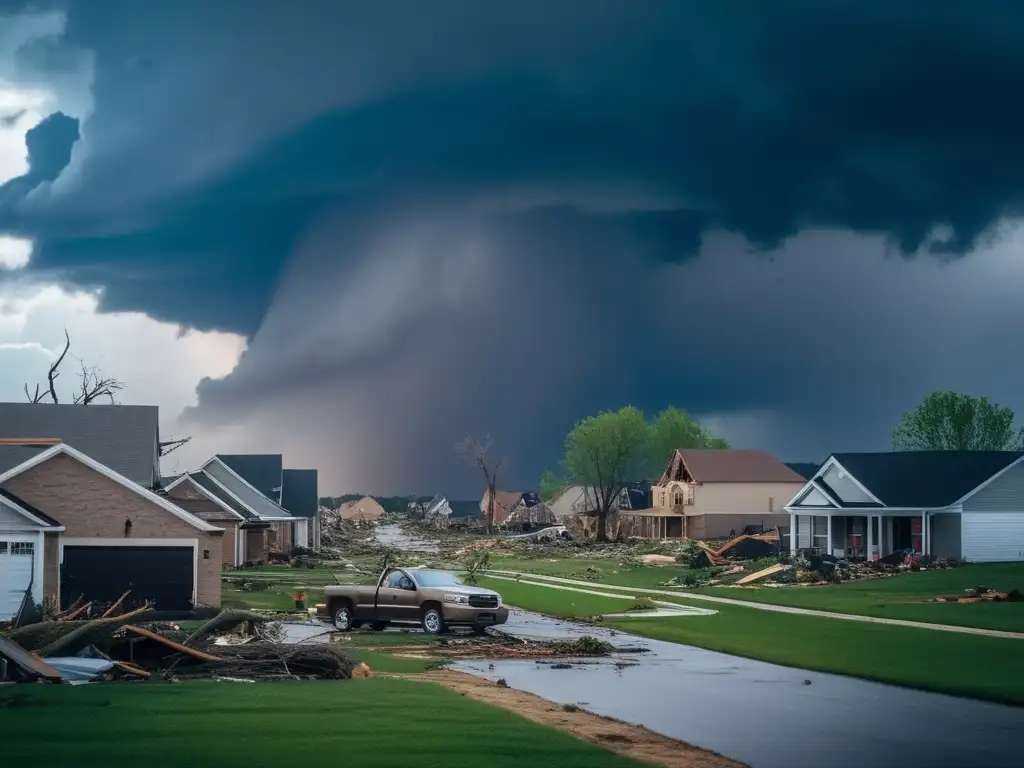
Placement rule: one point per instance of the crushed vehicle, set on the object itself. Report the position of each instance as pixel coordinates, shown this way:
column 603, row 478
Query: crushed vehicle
column 436, row 600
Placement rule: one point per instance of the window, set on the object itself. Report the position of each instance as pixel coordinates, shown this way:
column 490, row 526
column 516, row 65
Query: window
column 22, row 547
column 677, row 499
column 394, row 580
column 820, row 529
column 3, row 547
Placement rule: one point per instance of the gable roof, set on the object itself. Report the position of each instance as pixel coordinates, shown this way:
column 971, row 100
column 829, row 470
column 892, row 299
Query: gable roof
column 124, row 438
column 805, row 469
column 299, row 492
column 91, row 463
column 243, row 491
column 924, row 478
column 263, row 471
column 204, row 509
column 729, row 465
column 22, row 506
column 211, row 486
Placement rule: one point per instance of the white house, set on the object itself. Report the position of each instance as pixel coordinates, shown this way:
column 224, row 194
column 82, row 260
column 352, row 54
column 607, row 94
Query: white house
column 948, row 504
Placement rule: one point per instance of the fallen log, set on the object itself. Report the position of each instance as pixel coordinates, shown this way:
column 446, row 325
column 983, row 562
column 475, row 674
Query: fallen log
column 72, row 637
column 223, row 622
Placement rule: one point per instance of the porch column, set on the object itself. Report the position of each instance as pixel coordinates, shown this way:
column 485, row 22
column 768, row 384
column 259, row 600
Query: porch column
column 871, row 538
column 828, row 534
column 792, row 533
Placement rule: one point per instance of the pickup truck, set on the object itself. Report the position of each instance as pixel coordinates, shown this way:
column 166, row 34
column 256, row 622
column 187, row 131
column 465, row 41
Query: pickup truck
column 436, row 600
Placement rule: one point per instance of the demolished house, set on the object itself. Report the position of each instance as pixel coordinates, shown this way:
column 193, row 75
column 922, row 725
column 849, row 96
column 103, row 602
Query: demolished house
column 517, row 509
column 437, row 512
column 365, row 510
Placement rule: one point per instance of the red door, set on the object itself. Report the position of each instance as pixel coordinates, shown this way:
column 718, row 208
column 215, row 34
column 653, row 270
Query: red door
column 915, row 534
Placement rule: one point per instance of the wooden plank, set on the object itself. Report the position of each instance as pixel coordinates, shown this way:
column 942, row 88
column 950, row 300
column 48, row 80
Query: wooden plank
column 202, row 656
column 766, row 572
column 26, row 662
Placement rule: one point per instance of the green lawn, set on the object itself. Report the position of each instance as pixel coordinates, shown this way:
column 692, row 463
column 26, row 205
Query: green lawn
column 905, row 596
column 378, row 722
column 554, row 602
column 966, row 665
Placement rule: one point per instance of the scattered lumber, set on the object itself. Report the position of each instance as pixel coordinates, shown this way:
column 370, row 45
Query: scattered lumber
column 777, row 568
column 224, row 621
column 200, row 655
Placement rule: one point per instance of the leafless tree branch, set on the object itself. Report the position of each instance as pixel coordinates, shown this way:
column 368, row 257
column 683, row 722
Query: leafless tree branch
column 93, row 385
column 476, row 453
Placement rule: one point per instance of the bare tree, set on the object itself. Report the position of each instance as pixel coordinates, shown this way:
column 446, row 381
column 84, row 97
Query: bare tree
column 51, row 376
column 476, row 453
column 92, row 384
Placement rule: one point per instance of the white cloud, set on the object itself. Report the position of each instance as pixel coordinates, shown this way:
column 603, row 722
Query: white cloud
column 159, row 364
column 14, row 252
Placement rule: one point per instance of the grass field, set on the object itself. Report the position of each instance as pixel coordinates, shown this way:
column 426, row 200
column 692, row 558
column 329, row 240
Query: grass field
column 554, row 602
column 905, row 596
column 378, row 722
column 966, row 665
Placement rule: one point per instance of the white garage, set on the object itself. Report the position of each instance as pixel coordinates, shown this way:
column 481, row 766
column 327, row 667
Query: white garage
column 992, row 537
column 21, row 553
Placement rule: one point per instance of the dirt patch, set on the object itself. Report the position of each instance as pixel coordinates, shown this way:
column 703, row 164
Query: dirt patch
column 631, row 741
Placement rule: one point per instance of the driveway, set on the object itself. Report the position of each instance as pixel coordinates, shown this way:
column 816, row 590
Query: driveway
column 761, row 714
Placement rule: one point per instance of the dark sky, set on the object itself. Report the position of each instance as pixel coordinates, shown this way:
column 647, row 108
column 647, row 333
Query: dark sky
column 793, row 218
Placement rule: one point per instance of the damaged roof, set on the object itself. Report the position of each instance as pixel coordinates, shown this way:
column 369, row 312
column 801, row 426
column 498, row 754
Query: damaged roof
column 924, row 478
column 730, row 465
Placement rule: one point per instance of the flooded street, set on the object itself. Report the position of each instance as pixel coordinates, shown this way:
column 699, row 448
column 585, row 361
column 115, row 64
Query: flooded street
column 761, row 714
column 394, row 537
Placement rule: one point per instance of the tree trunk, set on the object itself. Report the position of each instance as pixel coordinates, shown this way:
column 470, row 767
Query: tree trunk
column 602, row 525
column 490, row 513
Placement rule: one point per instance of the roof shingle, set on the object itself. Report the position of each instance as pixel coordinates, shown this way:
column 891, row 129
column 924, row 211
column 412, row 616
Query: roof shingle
column 924, row 478
column 736, row 465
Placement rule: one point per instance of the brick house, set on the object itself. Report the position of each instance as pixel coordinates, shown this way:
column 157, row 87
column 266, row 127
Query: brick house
column 71, row 526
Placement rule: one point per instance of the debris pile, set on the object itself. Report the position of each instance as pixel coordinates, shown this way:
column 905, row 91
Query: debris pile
column 745, row 547
column 233, row 645
column 982, row 595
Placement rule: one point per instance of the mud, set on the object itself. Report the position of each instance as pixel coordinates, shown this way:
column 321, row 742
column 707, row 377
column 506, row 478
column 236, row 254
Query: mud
column 624, row 739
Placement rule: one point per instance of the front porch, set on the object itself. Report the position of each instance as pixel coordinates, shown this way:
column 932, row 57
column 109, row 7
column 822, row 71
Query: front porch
column 874, row 534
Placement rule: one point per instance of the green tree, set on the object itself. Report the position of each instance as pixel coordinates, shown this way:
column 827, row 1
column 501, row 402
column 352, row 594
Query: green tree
column 550, row 485
column 605, row 452
column 674, row 428
column 950, row 421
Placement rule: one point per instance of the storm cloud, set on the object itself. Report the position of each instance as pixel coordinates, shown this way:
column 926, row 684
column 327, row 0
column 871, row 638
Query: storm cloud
column 793, row 218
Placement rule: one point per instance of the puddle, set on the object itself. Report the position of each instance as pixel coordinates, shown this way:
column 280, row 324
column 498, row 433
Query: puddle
column 761, row 714
column 393, row 536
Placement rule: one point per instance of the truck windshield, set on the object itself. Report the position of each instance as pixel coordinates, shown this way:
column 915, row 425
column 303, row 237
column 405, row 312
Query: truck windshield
column 435, row 579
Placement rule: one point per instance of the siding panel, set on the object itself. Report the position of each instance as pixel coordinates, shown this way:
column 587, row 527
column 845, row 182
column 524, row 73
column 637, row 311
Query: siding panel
column 814, row 498
column 1004, row 493
column 993, row 537
column 945, row 533
column 846, row 489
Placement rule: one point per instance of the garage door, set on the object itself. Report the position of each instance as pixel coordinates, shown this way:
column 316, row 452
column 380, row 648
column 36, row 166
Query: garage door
column 993, row 537
column 16, row 559
column 162, row 575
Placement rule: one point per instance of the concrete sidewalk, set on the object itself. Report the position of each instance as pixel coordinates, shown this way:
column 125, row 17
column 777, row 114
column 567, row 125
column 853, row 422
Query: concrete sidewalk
column 552, row 581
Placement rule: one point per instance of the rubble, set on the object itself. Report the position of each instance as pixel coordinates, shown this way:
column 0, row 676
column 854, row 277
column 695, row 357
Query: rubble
column 982, row 595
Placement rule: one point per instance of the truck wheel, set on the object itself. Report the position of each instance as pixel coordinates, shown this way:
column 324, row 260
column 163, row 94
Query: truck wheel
column 433, row 622
column 343, row 618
